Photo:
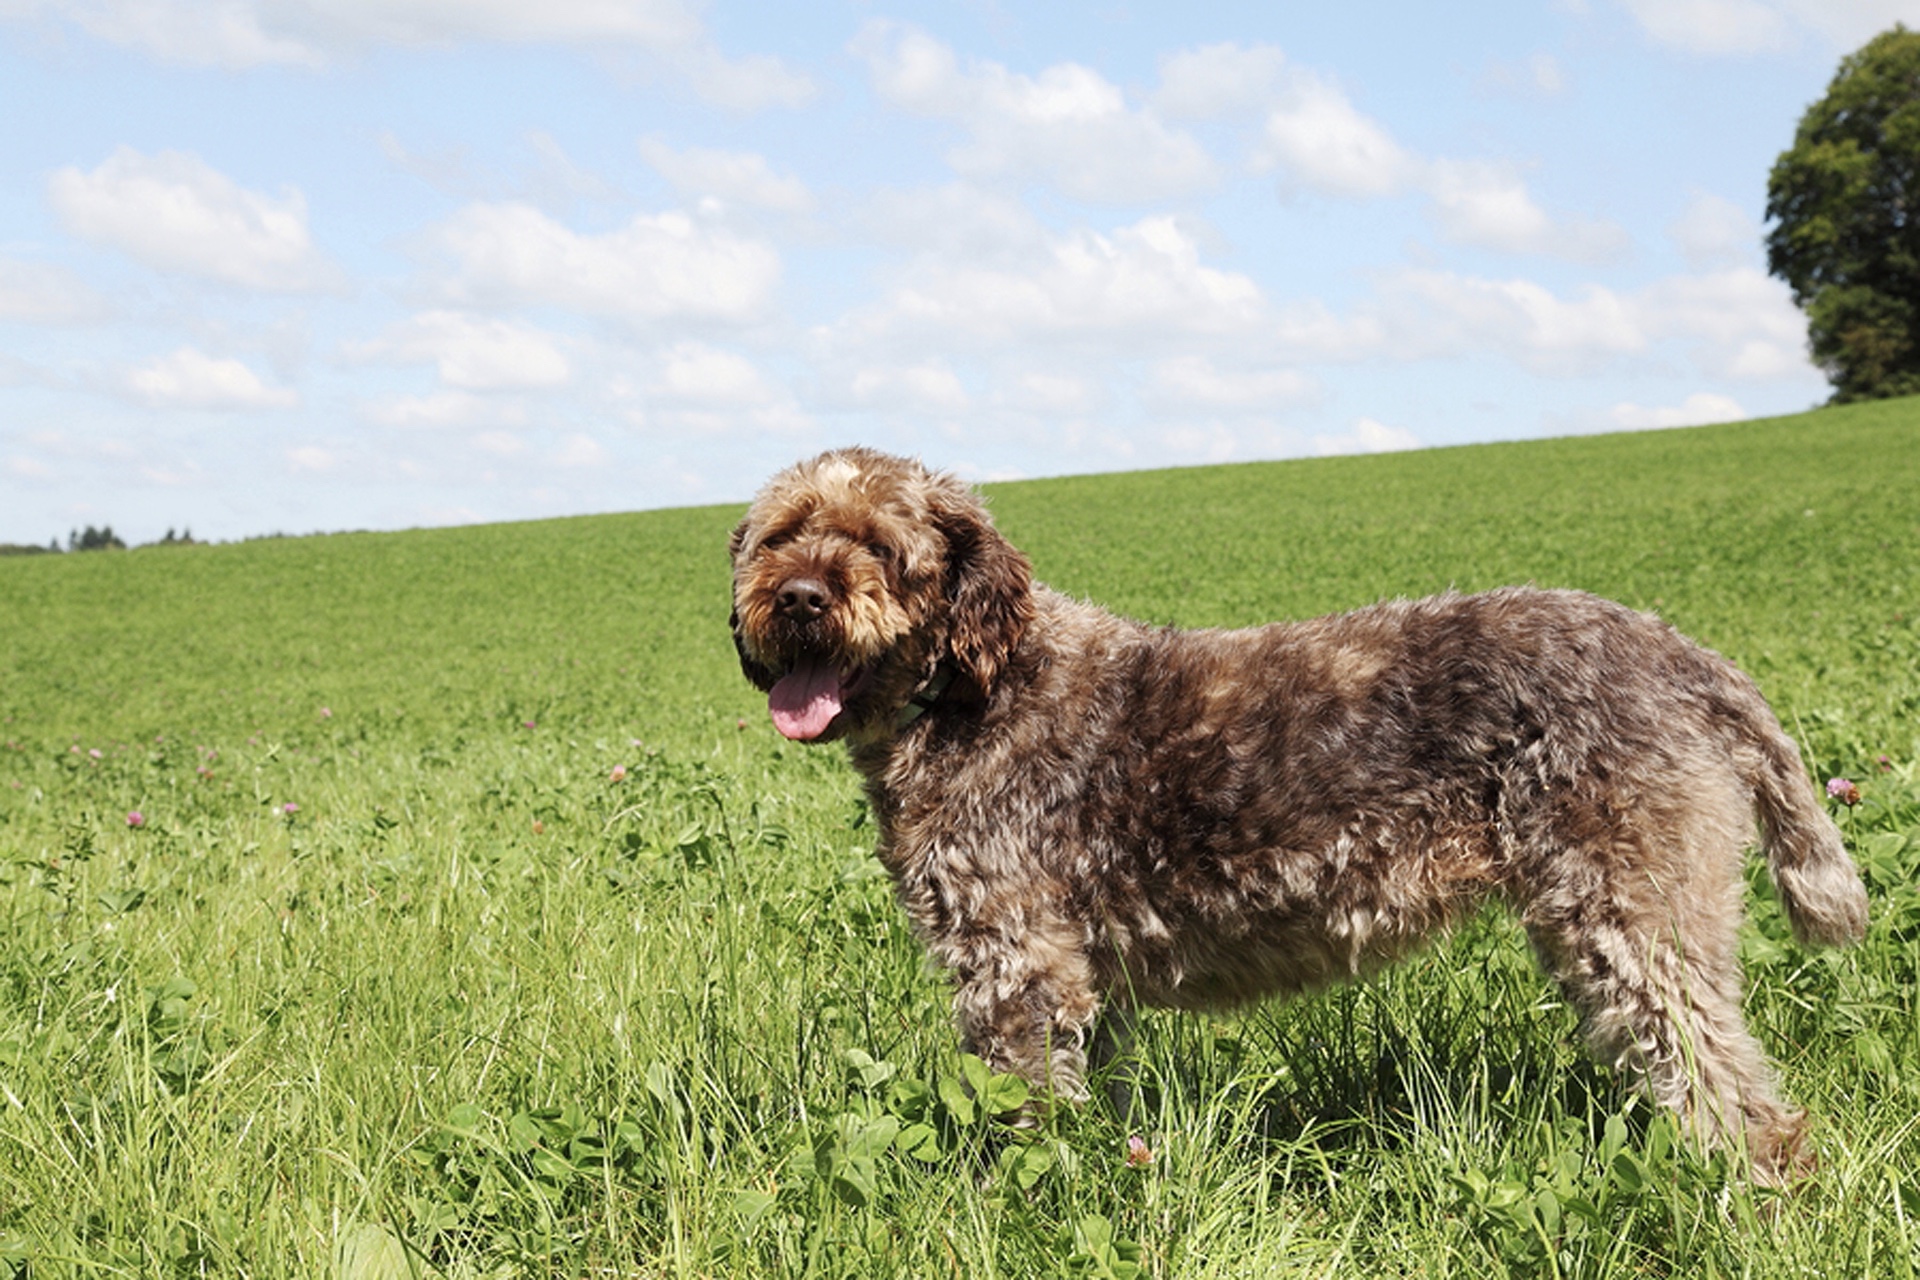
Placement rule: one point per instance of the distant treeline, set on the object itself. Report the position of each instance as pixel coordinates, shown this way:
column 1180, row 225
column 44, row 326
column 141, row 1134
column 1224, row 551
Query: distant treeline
column 92, row 539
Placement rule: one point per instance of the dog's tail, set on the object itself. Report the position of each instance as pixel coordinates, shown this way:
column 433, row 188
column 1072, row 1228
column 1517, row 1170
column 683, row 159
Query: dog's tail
column 1817, row 882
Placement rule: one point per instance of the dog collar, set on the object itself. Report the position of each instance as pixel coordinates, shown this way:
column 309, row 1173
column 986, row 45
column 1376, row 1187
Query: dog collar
column 923, row 701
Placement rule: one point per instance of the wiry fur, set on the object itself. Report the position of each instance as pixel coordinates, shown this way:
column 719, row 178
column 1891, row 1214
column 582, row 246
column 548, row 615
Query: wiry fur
column 1094, row 814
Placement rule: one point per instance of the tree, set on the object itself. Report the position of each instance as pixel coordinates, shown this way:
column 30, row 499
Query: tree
column 95, row 540
column 1845, row 203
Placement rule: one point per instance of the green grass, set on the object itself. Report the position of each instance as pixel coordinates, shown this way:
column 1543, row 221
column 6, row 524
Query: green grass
column 476, row 1008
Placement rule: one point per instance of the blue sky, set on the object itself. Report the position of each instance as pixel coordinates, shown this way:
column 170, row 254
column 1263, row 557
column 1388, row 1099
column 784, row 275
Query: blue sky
column 297, row 265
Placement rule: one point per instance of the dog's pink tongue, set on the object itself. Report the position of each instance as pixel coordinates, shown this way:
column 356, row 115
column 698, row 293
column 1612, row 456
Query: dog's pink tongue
column 805, row 700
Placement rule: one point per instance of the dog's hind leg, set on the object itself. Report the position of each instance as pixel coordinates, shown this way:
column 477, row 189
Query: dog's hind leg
column 1643, row 943
column 1670, row 1019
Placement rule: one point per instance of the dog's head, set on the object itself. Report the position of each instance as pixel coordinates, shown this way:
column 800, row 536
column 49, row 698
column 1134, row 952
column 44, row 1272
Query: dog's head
column 862, row 580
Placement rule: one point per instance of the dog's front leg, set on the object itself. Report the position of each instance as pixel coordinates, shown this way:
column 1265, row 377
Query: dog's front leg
column 1028, row 1009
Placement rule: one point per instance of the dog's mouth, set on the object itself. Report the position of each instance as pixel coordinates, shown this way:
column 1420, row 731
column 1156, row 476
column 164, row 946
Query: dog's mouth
column 805, row 702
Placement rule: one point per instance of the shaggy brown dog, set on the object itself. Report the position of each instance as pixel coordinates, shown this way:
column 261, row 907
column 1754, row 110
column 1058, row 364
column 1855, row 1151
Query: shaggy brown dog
column 1084, row 814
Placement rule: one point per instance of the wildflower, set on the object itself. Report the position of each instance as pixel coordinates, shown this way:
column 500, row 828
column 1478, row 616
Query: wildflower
column 136, row 819
column 1886, row 763
column 289, row 808
column 526, row 724
column 619, row 773
column 326, row 713
column 95, row 752
column 1139, row 1154
column 1844, row 791
column 740, row 724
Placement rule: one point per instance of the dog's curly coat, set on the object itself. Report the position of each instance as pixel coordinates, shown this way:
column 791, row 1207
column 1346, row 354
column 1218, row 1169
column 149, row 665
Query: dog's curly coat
column 1084, row 814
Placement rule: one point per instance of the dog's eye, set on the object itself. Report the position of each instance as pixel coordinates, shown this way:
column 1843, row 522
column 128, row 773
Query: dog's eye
column 880, row 551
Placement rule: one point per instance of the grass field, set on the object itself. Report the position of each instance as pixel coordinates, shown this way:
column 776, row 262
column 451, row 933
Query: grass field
column 442, row 903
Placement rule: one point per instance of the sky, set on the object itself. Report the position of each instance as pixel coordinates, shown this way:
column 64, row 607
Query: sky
column 308, row 265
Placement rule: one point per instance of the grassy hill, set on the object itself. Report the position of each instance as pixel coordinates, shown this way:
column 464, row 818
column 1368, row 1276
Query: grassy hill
column 474, row 916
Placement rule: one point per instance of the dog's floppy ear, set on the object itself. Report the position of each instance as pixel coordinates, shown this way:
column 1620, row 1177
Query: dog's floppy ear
column 755, row 672
column 989, row 587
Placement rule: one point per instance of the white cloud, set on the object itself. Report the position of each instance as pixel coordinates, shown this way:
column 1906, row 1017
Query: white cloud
column 1758, row 359
column 738, row 176
column 501, row 444
column 1436, row 312
column 174, row 212
column 1738, row 27
column 191, row 379
column 1738, row 323
column 931, row 386
column 955, row 220
column 1715, row 232
column 1194, row 380
column 1846, row 24
column 1538, row 75
column 449, row 171
column 1487, row 204
column 543, row 174
column 35, row 293
column 1206, row 442
column 1308, row 329
column 239, row 34
column 1367, row 436
column 1053, row 393
column 659, row 267
column 1068, row 126
column 694, row 372
column 751, row 83
column 441, row 409
column 1697, row 410
column 580, row 450
column 1741, row 322
column 1711, row 26
column 706, row 390
column 216, row 33
column 1218, row 80
column 1140, row 283
column 1321, row 142
column 311, row 457
column 248, row 33
column 553, row 180
column 472, row 352
column 668, row 23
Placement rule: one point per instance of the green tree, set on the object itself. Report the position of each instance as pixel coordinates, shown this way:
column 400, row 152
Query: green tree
column 95, row 540
column 1843, row 200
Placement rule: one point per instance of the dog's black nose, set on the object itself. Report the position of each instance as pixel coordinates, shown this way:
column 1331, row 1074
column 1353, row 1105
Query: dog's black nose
column 803, row 599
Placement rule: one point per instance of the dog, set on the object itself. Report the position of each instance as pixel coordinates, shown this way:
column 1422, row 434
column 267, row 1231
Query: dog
column 1084, row 815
